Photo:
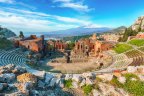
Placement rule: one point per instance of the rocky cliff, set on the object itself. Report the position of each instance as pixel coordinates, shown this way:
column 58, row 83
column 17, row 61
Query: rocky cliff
column 6, row 32
column 138, row 25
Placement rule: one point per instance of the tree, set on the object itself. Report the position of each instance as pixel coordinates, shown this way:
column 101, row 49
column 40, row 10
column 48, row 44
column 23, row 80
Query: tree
column 120, row 39
column 21, row 34
column 1, row 33
column 70, row 46
column 0, row 27
column 139, row 30
column 128, row 32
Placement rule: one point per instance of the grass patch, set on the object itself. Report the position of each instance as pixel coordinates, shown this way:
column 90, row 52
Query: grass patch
column 129, row 76
column 137, row 42
column 116, row 83
column 120, row 48
column 87, row 89
column 133, row 87
column 68, row 83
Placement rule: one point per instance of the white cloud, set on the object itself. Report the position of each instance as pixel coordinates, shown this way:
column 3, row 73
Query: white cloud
column 30, row 21
column 62, row 0
column 79, row 6
column 26, row 5
column 7, row 1
column 71, row 20
column 13, row 2
column 92, row 26
column 45, row 16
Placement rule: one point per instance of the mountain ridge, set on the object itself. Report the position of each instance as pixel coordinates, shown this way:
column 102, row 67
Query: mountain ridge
column 7, row 32
column 78, row 31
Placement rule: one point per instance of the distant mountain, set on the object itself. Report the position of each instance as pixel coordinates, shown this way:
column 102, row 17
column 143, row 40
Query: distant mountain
column 120, row 29
column 83, row 30
column 7, row 33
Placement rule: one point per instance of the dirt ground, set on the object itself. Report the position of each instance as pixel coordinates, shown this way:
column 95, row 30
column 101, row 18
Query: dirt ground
column 80, row 67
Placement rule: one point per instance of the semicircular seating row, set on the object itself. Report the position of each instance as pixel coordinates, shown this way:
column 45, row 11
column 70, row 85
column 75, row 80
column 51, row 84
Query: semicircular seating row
column 130, row 58
column 137, row 56
column 12, row 57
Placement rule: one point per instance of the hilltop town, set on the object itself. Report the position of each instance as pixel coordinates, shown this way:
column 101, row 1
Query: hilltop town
column 107, row 64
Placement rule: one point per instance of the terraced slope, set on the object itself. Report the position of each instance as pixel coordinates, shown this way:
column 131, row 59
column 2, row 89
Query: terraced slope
column 12, row 57
column 137, row 56
column 133, row 57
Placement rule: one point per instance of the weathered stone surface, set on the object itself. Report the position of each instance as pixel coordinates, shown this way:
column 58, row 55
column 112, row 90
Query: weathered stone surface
column 11, row 86
column 52, row 82
column 10, row 66
column 96, row 93
column 15, row 94
column 35, row 93
column 83, row 82
column 68, row 76
column 23, row 88
column 60, row 83
column 77, row 77
column 131, row 69
column 7, row 77
column 1, row 87
column 122, row 80
column 122, row 92
column 75, row 84
column 41, row 84
column 60, row 75
column 106, row 77
column 108, row 90
column 139, row 24
column 48, row 77
column 19, row 69
column 89, row 75
column 27, row 77
column 89, row 81
column 141, row 77
column 39, row 74
column 140, row 69
column 7, row 68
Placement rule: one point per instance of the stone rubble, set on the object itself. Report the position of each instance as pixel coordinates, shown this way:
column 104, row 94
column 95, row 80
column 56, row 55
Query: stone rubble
column 7, row 77
column 122, row 80
column 22, row 83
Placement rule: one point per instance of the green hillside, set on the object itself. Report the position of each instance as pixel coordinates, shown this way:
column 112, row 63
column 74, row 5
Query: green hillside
column 5, row 44
column 75, row 38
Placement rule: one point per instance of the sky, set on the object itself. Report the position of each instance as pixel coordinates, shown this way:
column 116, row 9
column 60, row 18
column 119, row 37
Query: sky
column 52, row 15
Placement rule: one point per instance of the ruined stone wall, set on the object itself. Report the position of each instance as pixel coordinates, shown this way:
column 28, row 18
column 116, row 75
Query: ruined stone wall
column 140, row 35
column 35, row 46
column 106, row 46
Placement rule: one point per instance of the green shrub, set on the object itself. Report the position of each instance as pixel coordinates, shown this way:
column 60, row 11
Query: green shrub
column 137, row 42
column 68, row 83
column 129, row 76
column 120, row 48
column 5, row 44
column 87, row 89
column 134, row 87
column 96, row 86
column 116, row 83
column 98, row 79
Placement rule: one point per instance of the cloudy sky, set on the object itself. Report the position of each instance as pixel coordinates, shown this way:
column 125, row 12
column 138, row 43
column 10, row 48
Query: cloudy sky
column 51, row 15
